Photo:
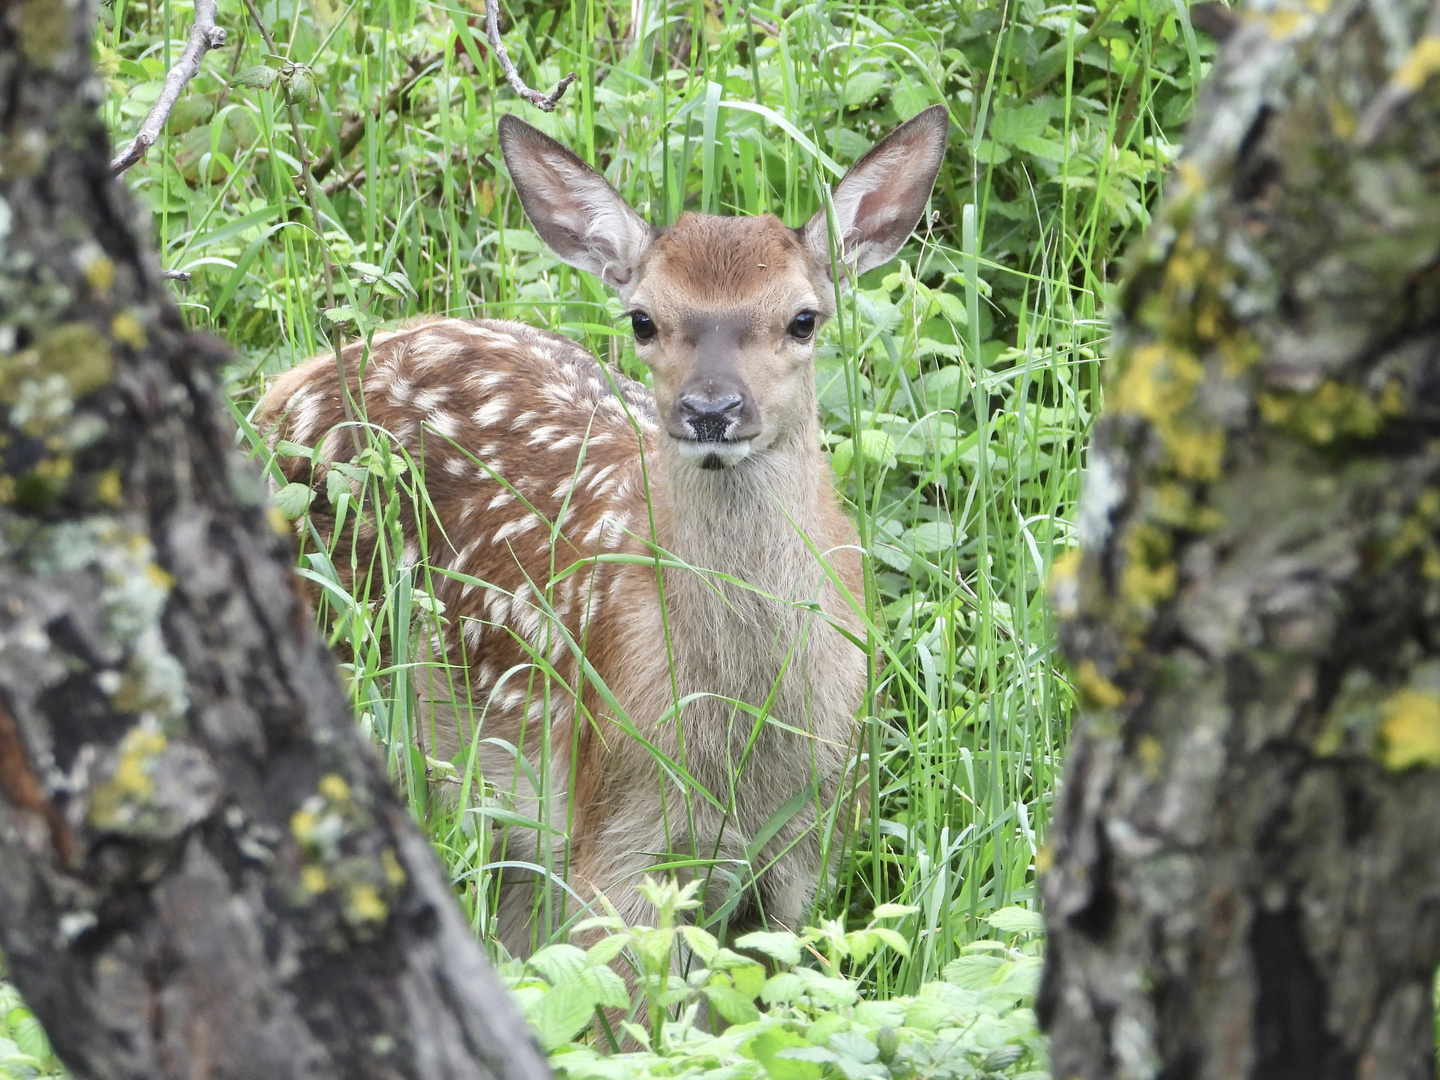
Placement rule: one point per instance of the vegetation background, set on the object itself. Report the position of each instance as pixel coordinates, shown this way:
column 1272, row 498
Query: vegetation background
column 957, row 389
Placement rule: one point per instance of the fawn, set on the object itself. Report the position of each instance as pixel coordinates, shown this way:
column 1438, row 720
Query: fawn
column 724, row 653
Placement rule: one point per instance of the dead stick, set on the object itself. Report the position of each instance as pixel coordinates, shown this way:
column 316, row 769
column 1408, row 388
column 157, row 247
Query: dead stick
column 204, row 36
column 543, row 102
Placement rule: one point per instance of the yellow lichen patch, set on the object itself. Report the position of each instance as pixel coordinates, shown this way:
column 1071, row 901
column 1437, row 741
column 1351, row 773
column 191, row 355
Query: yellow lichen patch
column 1151, row 753
column 334, row 788
column 313, row 880
column 1150, row 575
column 108, row 489
column 1410, row 730
column 1176, row 507
column 1332, row 411
column 1286, row 23
column 99, row 273
column 394, row 872
column 1096, row 691
column 1044, row 858
column 302, row 825
column 131, row 784
column 1063, row 585
column 1158, row 383
column 127, row 329
column 80, row 355
column 363, row 905
column 1418, row 68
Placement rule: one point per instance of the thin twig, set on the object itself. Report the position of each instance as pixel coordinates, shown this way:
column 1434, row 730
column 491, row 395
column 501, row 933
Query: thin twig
column 175, row 275
column 204, row 36
column 352, row 130
column 543, row 102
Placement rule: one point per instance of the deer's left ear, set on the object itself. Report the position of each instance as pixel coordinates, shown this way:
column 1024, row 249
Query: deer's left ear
column 880, row 200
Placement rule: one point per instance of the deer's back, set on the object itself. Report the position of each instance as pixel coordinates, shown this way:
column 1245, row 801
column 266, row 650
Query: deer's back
column 528, row 465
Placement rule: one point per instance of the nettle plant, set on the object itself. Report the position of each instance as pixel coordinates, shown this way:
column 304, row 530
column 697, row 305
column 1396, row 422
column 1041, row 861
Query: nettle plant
column 799, row 1015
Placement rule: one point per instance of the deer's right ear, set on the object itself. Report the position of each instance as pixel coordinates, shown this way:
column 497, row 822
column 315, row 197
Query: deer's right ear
column 573, row 208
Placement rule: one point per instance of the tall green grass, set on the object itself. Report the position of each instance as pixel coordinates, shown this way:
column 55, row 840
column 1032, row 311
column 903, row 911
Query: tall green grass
column 957, row 387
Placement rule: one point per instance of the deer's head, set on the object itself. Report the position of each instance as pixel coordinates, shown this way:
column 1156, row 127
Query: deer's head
column 725, row 310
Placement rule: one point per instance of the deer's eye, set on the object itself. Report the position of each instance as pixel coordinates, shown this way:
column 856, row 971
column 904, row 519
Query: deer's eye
column 643, row 325
column 802, row 327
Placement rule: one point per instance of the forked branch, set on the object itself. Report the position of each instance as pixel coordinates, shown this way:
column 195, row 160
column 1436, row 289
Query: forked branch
column 543, row 102
column 204, row 36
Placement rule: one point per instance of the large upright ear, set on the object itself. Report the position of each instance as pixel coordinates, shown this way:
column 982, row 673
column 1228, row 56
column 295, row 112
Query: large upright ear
column 880, row 200
column 581, row 217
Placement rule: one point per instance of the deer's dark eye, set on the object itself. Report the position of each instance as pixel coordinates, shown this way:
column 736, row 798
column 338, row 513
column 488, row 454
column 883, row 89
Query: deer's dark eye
column 643, row 325
column 802, row 327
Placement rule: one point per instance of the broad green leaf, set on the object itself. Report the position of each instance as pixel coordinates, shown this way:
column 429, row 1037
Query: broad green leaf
column 258, row 76
column 731, row 1004
column 562, row 1013
column 779, row 945
column 862, row 87
column 293, row 500
column 558, row 963
column 1017, row 920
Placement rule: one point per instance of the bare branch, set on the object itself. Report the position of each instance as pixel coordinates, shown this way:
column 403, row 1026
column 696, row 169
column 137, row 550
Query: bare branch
column 543, row 102
column 204, row 36
column 175, row 275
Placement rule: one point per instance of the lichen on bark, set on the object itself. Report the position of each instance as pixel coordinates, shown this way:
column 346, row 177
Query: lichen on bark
column 1242, row 880
column 202, row 869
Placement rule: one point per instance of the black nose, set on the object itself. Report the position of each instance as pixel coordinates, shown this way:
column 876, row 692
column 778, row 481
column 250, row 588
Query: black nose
column 710, row 418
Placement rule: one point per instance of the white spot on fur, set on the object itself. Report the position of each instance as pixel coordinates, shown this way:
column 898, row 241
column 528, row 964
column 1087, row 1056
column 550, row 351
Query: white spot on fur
column 514, row 527
column 505, row 497
column 444, row 423
column 491, row 413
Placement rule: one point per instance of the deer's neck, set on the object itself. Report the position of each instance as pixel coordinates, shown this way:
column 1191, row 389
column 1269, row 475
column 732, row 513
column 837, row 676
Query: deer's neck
column 762, row 522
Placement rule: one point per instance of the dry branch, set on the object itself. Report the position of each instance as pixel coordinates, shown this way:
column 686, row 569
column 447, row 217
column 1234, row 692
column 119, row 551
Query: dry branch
column 543, row 102
column 204, row 36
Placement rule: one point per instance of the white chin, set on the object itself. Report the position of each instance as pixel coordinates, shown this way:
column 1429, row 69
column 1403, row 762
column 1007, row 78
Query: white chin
column 713, row 455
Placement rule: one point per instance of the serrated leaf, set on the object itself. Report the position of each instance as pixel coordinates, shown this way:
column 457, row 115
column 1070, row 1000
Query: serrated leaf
column 878, row 446
column 749, row 978
column 933, row 537
column 731, row 1004
column 842, row 457
column 562, row 1013
column 1017, row 920
column 606, row 949
column 301, row 85
column 30, row 1036
column 606, row 987
column 558, row 963
column 337, row 484
column 770, row 1044
column 777, row 944
column 862, row 86
column 293, row 500
column 891, row 938
column 258, row 76
column 973, row 972
column 702, row 943
column 782, row 988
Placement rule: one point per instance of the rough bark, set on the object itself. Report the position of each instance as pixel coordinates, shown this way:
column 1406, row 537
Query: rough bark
column 202, row 871
column 1245, row 878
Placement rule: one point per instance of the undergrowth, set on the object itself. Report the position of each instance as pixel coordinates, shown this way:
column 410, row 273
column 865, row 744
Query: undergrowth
column 957, row 390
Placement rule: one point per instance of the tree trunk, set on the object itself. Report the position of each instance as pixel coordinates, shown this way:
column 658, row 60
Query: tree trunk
column 202, row 871
column 1245, row 879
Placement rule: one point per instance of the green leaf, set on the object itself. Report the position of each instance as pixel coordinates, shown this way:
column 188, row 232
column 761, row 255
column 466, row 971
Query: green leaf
column 933, row 537
column 779, row 945
column 258, row 76
column 893, row 911
column 337, row 484
column 562, row 1013
column 558, row 963
column 1017, row 920
column 767, row 1047
column 862, row 87
column 29, row 1035
column 606, row 949
column 293, row 500
column 731, row 1004
column 878, row 446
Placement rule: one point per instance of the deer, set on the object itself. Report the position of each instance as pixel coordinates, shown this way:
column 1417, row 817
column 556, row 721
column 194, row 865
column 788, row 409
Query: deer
column 653, row 593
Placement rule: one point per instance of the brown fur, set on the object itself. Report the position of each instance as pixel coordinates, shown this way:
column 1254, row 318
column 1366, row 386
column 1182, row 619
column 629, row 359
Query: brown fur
column 694, row 578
